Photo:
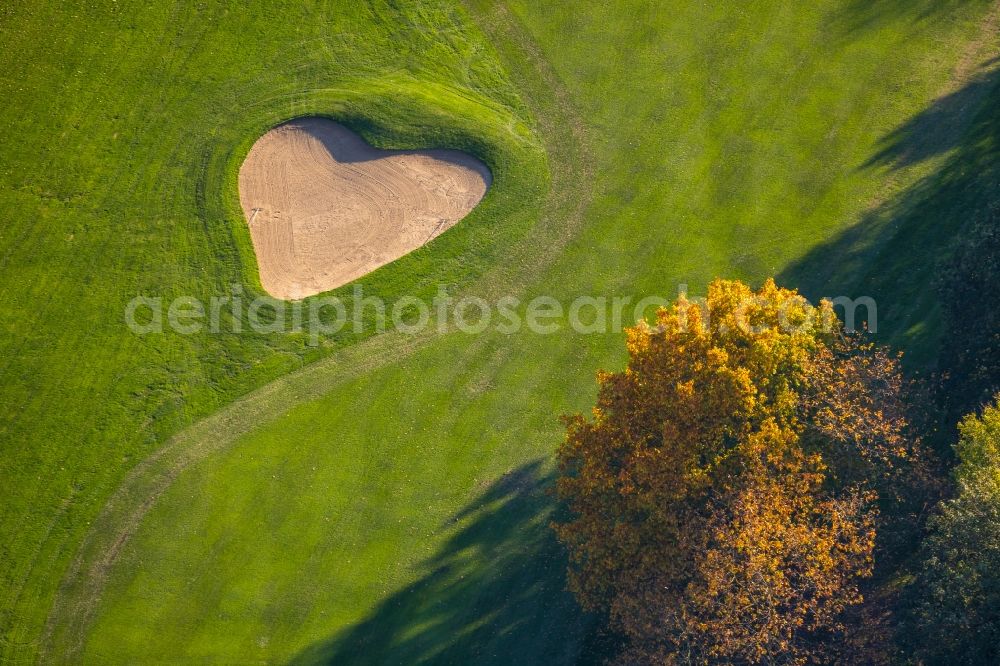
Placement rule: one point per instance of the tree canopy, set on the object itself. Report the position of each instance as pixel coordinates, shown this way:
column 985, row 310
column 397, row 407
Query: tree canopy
column 722, row 500
column 955, row 613
column 970, row 301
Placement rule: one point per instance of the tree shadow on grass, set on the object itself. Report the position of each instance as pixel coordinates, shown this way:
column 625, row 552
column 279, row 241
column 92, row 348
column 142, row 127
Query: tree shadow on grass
column 935, row 130
column 892, row 255
column 494, row 594
column 855, row 17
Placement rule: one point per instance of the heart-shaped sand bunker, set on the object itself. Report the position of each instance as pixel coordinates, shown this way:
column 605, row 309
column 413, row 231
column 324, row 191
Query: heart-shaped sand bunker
column 325, row 208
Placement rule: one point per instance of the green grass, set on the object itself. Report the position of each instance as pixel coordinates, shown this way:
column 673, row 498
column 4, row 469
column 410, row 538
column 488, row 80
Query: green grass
column 389, row 507
column 124, row 125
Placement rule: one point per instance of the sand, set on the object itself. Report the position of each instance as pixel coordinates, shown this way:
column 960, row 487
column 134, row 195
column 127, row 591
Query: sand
column 325, row 208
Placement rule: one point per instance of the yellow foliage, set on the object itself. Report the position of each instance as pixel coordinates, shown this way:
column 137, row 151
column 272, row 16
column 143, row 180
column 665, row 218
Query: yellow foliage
column 722, row 497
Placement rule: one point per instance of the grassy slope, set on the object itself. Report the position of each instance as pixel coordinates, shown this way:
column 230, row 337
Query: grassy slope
column 370, row 524
column 123, row 125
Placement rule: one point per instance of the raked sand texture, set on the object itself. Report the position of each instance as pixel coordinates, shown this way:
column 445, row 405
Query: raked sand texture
column 325, row 208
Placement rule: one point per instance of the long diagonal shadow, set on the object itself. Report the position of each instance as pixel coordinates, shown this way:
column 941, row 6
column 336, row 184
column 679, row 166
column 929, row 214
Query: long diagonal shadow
column 892, row 253
column 855, row 17
column 494, row 594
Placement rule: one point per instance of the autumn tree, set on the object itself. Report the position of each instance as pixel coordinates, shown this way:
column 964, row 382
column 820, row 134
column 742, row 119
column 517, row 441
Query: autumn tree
column 723, row 498
column 954, row 613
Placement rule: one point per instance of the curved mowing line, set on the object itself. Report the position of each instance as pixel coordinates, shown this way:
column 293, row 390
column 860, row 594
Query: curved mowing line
column 566, row 141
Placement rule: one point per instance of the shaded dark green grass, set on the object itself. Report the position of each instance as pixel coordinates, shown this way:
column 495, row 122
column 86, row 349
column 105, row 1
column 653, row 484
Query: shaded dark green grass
column 123, row 126
column 722, row 142
column 896, row 251
column 494, row 589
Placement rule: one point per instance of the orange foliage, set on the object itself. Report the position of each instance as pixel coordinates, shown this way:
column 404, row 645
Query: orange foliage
column 722, row 496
